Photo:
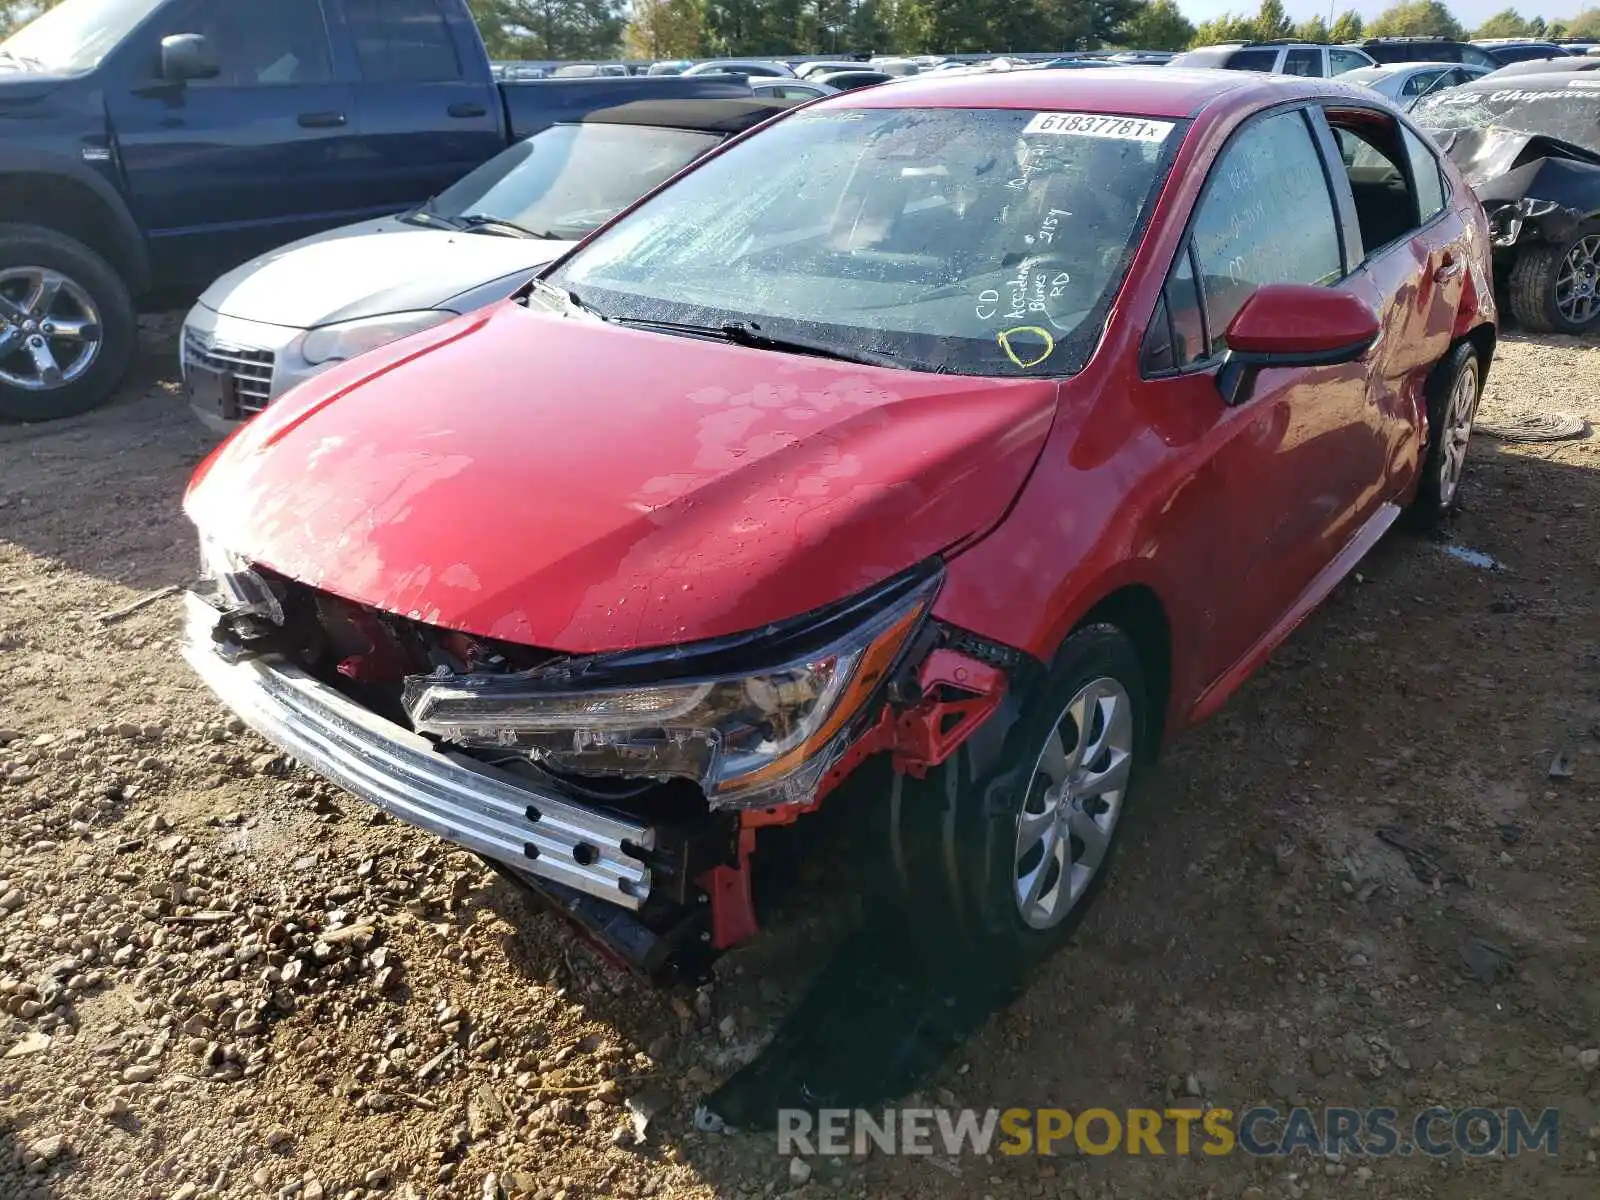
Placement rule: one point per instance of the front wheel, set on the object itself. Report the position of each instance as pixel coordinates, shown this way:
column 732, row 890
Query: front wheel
column 67, row 326
column 1556, row 287
column 1011, row 863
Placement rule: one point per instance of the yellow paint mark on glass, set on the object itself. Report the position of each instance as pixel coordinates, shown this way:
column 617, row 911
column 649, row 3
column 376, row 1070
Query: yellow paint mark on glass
column 1015, row 353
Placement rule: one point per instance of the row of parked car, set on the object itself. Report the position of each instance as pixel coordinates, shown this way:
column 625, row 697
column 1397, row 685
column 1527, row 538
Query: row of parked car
column 1532, row 150
column 934, row 453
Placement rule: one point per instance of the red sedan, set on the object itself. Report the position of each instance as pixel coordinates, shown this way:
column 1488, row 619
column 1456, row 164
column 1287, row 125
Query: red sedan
column 942, row 448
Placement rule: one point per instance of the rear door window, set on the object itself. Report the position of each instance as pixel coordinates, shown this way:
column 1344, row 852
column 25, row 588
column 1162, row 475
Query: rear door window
column 1425, row 176
column 1253, row 60
column 1340, row 61
column 402, row 41
column 1304, row 60
column 1387, row 207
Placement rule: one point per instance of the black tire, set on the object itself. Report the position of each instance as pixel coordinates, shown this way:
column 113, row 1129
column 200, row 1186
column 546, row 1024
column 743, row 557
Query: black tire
column 1438, row 492
column 1532, row 287
column 24, row 246
column 953, row 837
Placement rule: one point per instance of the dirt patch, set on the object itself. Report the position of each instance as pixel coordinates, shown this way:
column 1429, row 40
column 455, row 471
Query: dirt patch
column 219, row 977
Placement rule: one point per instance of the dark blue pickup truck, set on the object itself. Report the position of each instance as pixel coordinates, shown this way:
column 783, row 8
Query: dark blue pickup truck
column 147, row 146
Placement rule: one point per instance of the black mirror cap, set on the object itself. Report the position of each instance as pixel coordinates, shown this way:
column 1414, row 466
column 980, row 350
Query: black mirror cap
column 186, row 56
column 1236, row 377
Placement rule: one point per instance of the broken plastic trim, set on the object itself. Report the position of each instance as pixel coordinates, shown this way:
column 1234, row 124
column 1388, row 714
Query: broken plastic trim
column 1506, row 222
column 239, row 590
column 750, row 735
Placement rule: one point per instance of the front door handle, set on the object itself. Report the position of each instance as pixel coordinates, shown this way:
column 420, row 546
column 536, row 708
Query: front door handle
column 468, row 109
column 1449, row 268
column 322, row 120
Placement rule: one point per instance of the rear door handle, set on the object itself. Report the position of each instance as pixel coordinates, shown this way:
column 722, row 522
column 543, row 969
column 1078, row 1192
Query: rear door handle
column 322, row 120
column 1449, row 268
column 468, row 109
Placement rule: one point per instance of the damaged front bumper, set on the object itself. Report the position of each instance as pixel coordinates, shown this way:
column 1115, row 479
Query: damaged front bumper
column 534, row 831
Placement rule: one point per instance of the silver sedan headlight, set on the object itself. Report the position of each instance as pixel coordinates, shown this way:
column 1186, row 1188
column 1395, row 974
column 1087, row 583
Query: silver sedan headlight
column 750, row 738
column 328, row 344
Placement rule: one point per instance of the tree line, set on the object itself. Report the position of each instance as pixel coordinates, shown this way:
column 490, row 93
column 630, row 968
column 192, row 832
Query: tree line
column 656, row 29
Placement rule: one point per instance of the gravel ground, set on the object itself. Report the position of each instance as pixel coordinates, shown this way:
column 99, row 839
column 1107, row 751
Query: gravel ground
column 222, row 978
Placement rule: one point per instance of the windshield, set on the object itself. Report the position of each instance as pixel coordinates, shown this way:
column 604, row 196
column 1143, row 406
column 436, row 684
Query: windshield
column 571, row 179
column 1571, row 113
column 74, row 36
column 980, row 242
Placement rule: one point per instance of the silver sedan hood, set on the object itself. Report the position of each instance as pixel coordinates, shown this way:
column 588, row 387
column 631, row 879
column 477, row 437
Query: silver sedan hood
column 375, row 268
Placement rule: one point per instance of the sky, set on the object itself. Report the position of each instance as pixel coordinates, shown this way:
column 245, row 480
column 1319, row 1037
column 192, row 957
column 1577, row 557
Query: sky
column 1470, row 13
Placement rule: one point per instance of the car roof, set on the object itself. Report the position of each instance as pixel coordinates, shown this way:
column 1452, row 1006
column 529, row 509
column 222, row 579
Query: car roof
column 704, row 116
column 1147, row 91
column 1395, row 68
column 1549, row 66
column 1553, row 81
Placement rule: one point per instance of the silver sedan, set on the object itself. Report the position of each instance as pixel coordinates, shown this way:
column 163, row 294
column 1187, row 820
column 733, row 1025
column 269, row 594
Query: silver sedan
column 1406, row 83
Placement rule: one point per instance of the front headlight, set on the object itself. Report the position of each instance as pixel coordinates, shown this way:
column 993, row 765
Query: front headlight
column 346, row 340
column 749, row 738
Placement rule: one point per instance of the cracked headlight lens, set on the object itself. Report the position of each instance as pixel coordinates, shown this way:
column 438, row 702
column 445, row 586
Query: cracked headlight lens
column 751, row 739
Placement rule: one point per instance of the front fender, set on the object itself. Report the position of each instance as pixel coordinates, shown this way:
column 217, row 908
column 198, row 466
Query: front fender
column 34, row 163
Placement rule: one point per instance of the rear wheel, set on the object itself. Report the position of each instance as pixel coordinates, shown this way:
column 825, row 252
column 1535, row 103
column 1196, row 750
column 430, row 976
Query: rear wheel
column 1011, row 863
column 1556, row 287
column 67, row 325
column 1453, row 392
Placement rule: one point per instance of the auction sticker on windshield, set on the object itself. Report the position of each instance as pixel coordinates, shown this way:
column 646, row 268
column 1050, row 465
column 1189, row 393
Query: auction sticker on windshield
column 1127, row 129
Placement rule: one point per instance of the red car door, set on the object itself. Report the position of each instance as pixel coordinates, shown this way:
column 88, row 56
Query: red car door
column 1275, row 486
column 1414, row 261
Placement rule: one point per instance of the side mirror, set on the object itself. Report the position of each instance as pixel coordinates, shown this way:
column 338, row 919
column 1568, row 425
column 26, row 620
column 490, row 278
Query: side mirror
column 186, row 56
column 1292, row 325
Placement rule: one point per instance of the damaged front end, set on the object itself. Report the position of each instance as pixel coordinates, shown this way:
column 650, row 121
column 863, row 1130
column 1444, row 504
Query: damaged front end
column 1533, row 187
column 626, row 789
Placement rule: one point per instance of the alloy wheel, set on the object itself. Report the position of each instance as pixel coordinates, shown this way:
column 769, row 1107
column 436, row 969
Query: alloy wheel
column 1578, row 281
column 1073, row 802
column 50, row 332
column 1456, row 432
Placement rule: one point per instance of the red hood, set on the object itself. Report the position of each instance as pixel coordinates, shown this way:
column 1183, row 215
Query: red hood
column 584, row 487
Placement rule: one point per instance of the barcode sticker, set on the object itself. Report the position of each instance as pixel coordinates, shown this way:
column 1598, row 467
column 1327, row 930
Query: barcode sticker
column 1126, row 129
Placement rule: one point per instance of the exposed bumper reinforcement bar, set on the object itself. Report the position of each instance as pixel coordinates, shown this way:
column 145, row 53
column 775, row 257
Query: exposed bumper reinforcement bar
column 465, row 802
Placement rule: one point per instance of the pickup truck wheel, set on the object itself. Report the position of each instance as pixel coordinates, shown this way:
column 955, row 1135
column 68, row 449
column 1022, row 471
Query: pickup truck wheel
column 67, row 325
column 1556, row 287
column 1453, row 392
column 1008, row 866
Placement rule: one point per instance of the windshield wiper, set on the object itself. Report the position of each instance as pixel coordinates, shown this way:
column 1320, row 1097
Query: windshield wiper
column 748, row 333
column 26, row 60
column 483, row 221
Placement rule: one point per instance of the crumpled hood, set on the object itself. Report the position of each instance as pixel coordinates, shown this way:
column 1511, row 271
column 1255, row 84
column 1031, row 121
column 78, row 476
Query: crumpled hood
column 1489, row 152
column 370, row 270
column 584, row 487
